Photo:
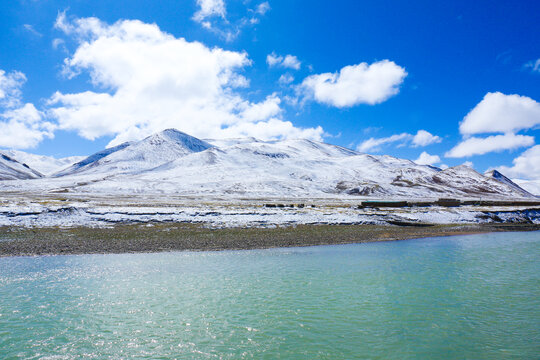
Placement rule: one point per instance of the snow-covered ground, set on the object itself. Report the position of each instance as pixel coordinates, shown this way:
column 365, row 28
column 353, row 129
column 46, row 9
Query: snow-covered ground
column 17, row 211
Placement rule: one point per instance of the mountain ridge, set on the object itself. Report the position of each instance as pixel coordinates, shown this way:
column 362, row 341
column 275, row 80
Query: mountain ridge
column 173, row 162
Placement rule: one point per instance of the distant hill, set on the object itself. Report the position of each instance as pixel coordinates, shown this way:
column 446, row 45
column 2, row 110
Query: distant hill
column 11, row 169
column 46, row 165
column 172, row 162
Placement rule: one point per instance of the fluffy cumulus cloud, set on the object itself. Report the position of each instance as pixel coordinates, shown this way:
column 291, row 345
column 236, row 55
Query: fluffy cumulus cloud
column 525, row 166
column 480, row 146
column 287, row 61
column 356, row 84
column 427, row 159
column 424, row 138
column 501, row 113
column 421, row 138
column 21, row 125
column 149, row 80
column 497, row 113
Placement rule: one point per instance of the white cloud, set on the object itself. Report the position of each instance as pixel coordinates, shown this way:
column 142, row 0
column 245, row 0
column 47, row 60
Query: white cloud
column 287, row 61
column 273, row 59
column 212, row 15
column 23, row 128
column 10, row 88
column 502, row 113
column 80, row 28
column 263, row 110
column 479, row 146
column 58, row 43
column 209, row 8
column 424, row 138
column 31, row 30
column 534, row 65
column 373, row 144
column 286, row 79
column 356, row 84
column 526, row 166
column 272, row 129
column 427, row 159
column 421, row 138
column 262, row 8
column 153, row 81
column 21, row 125
column 291, row 62
column 468, row 164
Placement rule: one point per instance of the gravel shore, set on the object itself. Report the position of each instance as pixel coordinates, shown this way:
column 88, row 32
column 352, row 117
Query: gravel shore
column 158, row 237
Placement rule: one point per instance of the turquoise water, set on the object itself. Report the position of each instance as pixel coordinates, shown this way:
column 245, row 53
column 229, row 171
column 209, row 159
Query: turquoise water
column 457, row 297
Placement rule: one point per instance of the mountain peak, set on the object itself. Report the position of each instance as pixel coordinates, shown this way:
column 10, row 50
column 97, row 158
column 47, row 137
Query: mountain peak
column 497, row 175
column 172, row 134
column 134, row 157
column 177, row 137
column 494, row 174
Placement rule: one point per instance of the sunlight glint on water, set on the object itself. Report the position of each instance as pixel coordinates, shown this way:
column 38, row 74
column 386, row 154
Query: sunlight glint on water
column 458, row 297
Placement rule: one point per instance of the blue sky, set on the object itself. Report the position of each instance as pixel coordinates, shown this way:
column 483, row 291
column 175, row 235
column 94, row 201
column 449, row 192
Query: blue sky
column 356, row 70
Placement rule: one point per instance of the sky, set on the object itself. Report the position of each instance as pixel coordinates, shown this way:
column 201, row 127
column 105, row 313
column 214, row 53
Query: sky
column 440, row 83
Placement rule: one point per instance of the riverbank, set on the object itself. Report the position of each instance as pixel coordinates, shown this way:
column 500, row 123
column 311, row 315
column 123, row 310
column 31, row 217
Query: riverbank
column 158, row 237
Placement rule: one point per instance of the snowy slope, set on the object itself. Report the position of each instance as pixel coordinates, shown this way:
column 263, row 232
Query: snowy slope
column 532, row 186
column 171, row 162
column 231, row 141
column 138, row 156
column 471, row 183
column 494, row 174
column 46, row 165
column 90, row 161
column 11, row 169
column 303, row 168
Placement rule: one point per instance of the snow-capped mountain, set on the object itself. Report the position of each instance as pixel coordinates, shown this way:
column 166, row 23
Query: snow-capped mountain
column 11, row 169
column 134, row 157
column 46, row 165
column 171, row 162
column 307, row 169
column 500, row 177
